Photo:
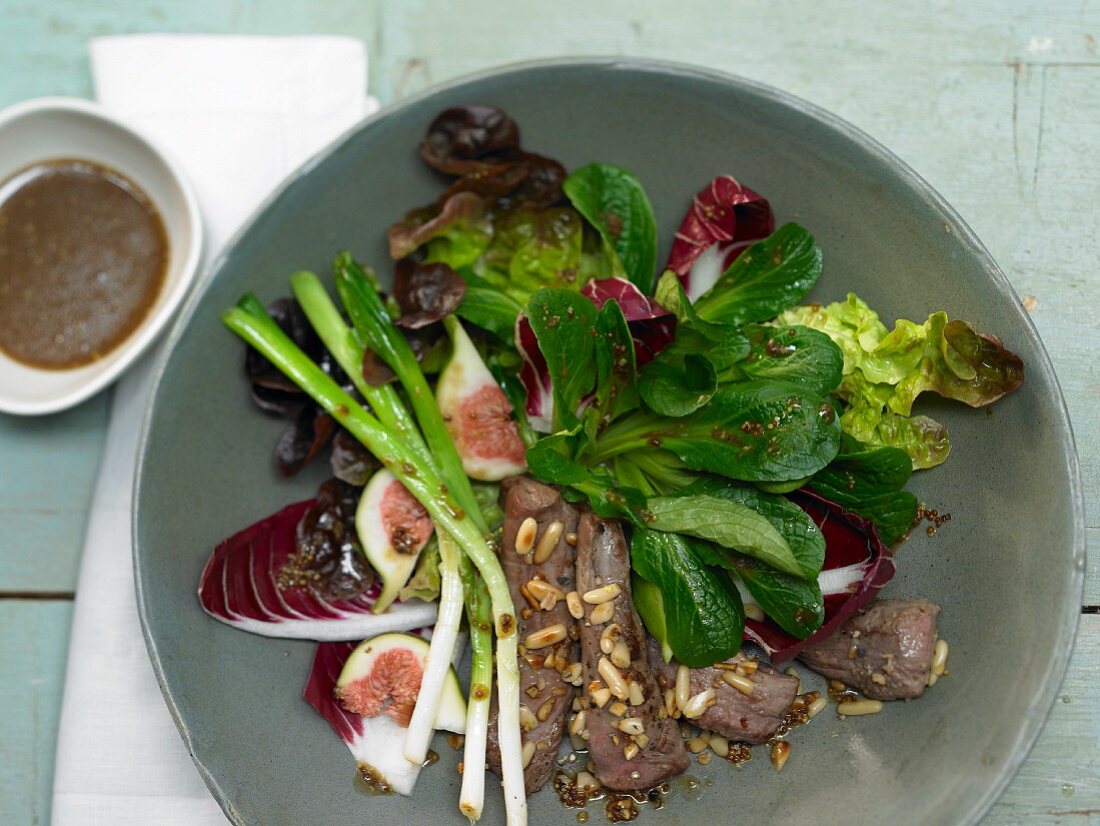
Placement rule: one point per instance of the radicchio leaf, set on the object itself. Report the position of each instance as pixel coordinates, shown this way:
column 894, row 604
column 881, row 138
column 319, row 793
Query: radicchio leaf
column 244, row 584
column 535, row 377
column 857, row 566
column 651, row 327
column 725, row 218
column 376, row 743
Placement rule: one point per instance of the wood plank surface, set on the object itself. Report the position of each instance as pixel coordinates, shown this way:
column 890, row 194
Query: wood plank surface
column 996, row 104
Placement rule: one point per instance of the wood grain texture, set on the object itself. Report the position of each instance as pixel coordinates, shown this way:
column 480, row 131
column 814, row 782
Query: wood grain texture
column 46, row 476
column 996, row 104
column 34, row 642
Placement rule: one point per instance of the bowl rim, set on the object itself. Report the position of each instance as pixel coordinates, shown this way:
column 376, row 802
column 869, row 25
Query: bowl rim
column 1066, row 623
column 151, row 327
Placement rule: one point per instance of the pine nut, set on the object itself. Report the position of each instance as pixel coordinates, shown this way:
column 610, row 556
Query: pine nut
column 742, row 684
column 720, row 745
column 683, row 687
column 939, row 658
column 816, row 707
column 620, row 655
column 527, row 720
column 602, row 594
column 637, row 696
column 602, row 613
column 541, row 590
column 857, row 708
column 878, row 679
column 577, row 725
column 698, row 704
column 781, row 753
column 632, row 725
column 618, row 708
column 550, row 538
column 571, row 539
column 528, row 754
column 609, row 636
column 613, row 677
column 573, row 600
column 546, row 636
column 696, row 745
column 641, row 740
column 525, row 536
column 631, row 751
column 600, row 696
column 670, row 702
column 586, row 782
column 573, row 674
column 544, row 710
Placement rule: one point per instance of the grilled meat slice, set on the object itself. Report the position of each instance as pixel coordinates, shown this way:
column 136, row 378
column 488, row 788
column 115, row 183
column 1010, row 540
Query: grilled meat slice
column 631, row 740
column 885, row 652
column 543, row 692
column 745, row 718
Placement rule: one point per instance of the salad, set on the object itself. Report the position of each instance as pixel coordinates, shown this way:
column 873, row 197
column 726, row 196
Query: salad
column 623, row 495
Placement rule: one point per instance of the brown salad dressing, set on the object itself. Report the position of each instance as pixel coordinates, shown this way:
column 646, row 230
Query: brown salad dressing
column 83, row 254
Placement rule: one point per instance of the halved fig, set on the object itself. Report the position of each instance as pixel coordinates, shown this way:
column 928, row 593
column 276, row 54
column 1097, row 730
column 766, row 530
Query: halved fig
column 478, row 415
column 382, row 677
column 393, row 529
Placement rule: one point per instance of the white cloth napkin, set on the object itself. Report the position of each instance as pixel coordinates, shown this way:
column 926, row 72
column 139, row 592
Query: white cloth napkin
column 239, row 114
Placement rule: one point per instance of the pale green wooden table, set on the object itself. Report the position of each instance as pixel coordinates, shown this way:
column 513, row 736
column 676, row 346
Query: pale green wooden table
column 997, row 104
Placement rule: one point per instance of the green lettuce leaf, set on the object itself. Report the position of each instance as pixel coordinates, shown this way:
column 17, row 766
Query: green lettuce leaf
column 700, row 614
column 885, row 371
column 614, row 203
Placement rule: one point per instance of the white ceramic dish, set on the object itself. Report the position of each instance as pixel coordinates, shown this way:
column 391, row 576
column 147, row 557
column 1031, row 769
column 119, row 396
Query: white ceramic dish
column 46, row 128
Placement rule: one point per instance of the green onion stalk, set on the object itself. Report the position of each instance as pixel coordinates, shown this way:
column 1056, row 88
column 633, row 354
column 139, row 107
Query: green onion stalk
column 444, row 493
column 471, row 798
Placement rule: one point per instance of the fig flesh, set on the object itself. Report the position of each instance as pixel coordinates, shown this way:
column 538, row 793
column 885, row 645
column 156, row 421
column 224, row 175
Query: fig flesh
column 478, row 415
column 382, row 677
column 393, row 529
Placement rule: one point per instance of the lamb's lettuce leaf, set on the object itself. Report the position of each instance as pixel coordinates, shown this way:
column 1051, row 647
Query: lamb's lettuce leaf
column 614, row 203
column 701, row 616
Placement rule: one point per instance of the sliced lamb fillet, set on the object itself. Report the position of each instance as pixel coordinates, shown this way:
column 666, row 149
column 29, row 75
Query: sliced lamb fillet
column 543, row 692
column 885, row 652
column 745, row 718
column 658, row 753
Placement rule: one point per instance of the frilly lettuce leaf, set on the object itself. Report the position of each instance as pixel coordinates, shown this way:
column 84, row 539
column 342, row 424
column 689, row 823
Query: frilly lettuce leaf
column 885, row 371
column 425, row 581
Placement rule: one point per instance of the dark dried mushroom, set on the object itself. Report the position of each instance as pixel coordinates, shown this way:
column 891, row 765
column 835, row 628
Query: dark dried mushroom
column 465, row 134
column 271, row 391
column 426, row 293
column 302, row 439
column 490, row 181
column 329, row 556
column 428, row 344
column 540, row 187
column 350, row 461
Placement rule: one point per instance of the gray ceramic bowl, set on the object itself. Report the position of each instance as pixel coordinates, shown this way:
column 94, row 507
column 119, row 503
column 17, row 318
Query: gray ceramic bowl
column 1008, row 568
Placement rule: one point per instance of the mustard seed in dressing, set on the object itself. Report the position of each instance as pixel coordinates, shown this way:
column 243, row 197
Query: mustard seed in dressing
column 83, row 255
